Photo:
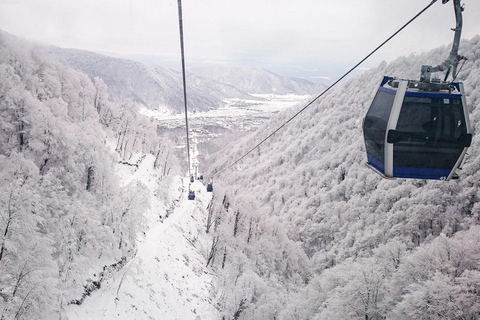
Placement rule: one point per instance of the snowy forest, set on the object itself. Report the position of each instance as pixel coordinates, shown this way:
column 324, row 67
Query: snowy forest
column 299, row 229
column 66, row 220
column 306, row 231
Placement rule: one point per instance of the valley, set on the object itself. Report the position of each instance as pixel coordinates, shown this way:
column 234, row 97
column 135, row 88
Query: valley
column 236, row 115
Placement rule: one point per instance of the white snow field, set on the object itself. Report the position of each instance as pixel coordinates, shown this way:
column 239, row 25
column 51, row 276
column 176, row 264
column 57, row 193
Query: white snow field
column 167, row 278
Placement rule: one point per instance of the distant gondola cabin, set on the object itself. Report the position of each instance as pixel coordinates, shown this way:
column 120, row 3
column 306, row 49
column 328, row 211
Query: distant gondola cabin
column 210, row 187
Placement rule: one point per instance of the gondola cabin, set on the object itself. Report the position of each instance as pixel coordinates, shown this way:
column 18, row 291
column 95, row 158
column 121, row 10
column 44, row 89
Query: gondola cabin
column 191, row 195
column 415, row 133
column 210, row 187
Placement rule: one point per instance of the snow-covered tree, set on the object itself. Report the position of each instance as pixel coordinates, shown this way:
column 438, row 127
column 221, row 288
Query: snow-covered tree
column 374, row 247
column 64, row 215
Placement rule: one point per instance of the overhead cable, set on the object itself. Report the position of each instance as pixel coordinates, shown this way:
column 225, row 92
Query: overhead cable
column 180, row 23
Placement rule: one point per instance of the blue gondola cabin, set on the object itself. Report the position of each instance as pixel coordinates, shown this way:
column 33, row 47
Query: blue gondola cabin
column 210, row 187
column 413, row 133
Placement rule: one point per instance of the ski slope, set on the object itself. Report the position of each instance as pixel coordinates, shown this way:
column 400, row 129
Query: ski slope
column 167, row 278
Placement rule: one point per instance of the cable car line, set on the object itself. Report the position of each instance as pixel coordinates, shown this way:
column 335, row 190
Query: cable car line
column 330, row 87
column 180, row 24
column 191, row 193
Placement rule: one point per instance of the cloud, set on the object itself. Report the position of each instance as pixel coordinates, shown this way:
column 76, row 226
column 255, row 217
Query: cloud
column 267, row 31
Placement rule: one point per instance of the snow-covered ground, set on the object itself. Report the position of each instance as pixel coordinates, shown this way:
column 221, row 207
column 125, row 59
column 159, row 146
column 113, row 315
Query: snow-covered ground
column 167, row 278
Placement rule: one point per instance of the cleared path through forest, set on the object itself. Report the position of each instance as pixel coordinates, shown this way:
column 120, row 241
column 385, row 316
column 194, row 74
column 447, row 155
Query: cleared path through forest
column 167, row 279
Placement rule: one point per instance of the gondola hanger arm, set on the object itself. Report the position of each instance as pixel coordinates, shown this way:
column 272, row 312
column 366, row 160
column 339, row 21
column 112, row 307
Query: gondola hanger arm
column 451, row 63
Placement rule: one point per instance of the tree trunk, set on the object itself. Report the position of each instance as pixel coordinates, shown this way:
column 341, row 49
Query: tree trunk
column 165, row 165
column 21, row 135
column 155, row 163
column 98, row 102
column 213, row 250
column 7, row 227
column 225, row 203
column 241, row 308
column 235, row 226
column 210, row 219
column 91, row 178
column 250, row 230
column 224, row 257
column 42, row 166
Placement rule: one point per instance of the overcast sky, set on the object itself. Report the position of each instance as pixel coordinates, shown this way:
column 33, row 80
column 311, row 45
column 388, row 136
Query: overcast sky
column 294, row 37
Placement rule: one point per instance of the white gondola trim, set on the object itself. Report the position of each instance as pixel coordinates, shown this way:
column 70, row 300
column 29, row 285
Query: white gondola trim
column 392, row 124
column 465, row 109
column 457, row 164
column 461, row 159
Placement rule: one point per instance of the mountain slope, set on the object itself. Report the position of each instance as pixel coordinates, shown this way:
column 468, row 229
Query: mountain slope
column 154, row 87
column 167, row 278
column 255, row 80
column 67, row 222
column 363, row 236
column 158, row 87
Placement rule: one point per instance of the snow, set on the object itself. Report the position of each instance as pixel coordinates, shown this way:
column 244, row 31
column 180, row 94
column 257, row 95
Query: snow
column 375, row 248
column 235, row 107
column 167, row 278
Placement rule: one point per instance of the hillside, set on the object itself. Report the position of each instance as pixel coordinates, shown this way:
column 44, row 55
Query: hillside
column 153, row 87
column 72, row 209
column 255, row 80
column 94, row 221
column 311, row 233
column 160, row 88
column 167, row 278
